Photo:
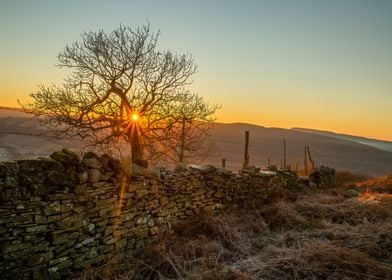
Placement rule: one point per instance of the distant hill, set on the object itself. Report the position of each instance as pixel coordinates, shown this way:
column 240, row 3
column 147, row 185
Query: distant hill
column 267, row 143
column 380, row 144
column 22, row 137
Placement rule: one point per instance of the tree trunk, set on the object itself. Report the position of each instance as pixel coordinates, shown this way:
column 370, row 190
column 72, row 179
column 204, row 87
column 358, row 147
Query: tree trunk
column 182, row 148
column 137, row 146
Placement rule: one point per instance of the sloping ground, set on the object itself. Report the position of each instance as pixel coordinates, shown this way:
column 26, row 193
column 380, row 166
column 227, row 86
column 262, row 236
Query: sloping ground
column 21, row 137
column 310, row 234
column 380, row 144
column 268, row 143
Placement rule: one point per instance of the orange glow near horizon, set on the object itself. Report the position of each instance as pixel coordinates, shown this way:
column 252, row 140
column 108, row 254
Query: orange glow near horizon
column 374, row 130
column 269, row 116
column 283, row 66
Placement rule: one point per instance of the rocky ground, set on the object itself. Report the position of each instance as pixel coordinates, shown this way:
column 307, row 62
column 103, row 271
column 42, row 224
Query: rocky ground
column 341, row 232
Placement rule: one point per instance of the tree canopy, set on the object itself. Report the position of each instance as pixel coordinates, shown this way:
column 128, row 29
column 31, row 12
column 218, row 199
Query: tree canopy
column 120, row 88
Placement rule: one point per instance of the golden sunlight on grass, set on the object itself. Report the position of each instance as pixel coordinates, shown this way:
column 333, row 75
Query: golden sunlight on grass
column 372, row 197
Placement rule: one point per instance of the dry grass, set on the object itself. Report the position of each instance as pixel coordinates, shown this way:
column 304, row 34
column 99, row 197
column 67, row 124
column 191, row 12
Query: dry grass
column 379, row 185
column 319, row 235
column 319, row 260
column 369, row 207
column 343, row 178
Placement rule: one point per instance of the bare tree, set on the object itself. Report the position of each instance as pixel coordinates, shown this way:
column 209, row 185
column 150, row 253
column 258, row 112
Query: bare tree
column 186, row 137
column 120, row 89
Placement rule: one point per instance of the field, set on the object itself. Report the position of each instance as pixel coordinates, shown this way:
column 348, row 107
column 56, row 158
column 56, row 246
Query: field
column 341, row 232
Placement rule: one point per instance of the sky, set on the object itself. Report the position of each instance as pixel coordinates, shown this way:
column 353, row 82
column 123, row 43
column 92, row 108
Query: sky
column 278, row 63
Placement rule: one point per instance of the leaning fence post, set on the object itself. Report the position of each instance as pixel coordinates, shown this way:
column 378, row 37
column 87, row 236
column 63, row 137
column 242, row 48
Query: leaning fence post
column 310, row 158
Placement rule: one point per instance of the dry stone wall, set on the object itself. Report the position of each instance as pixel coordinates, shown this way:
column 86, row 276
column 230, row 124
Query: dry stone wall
column 62, row 214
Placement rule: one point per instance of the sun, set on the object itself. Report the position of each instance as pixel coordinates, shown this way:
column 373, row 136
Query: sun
column 135, row 117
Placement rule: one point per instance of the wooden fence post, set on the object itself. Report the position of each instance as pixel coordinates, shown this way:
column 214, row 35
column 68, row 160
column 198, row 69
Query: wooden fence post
column 310, row 158
column 305, row 163
column 284, row 154
column 246, row 154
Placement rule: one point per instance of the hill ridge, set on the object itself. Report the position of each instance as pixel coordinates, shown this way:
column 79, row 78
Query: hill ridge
column 266, row 144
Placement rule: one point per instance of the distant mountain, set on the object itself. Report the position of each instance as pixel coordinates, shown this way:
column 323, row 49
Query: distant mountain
column 379, row 144
column 22, row 137
column 342, row 154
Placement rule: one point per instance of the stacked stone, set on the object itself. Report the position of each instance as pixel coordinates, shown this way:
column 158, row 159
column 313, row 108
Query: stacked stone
column 144, row 204
column 323, row 176
column 50, row 220
column 101, row 169
column 61, row 214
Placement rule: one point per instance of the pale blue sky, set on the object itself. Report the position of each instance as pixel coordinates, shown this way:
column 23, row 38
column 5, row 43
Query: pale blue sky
column 318, row 64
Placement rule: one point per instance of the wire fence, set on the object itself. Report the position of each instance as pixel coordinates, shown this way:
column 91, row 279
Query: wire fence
column 233, row 157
